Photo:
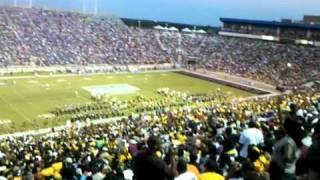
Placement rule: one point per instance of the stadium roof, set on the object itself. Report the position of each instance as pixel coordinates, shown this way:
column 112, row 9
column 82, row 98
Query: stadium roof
column 311, row 19
column 271, row 24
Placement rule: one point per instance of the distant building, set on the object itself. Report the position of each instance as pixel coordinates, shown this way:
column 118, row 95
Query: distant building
column 271, row 30
column 286, row 20
column 307, row 19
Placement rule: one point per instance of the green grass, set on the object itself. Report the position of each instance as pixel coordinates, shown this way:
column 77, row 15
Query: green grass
column 23, row 102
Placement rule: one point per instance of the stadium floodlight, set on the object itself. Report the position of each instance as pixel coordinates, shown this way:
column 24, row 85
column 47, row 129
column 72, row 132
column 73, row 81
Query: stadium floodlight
column 289, row 65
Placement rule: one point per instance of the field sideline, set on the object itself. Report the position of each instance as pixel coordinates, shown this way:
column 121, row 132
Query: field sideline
column 24, row 100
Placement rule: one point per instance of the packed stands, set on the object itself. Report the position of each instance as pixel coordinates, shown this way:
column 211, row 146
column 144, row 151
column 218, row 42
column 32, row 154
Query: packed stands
column 50, row 37
column 47, row 37
column 203, row 137
column 197, row 130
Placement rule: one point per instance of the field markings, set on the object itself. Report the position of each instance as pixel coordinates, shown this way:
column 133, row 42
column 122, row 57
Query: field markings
column 42, row 84
column 26, row 100
column 33, row 82
column 72, row 90
column 87, row 79
column 14, row 109
column 65, row 93
column 61, row 80
column 111, row 89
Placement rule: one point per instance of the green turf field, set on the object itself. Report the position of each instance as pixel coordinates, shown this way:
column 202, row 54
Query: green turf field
column 22, row 100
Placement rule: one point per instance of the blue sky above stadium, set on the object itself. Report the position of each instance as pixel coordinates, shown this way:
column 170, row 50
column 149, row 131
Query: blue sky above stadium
column 204, row 12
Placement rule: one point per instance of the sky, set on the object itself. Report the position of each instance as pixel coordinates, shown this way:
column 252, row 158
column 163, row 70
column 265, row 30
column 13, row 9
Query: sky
column 200, row 12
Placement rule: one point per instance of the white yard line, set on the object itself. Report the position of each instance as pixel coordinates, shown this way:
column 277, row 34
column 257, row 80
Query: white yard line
column 14, row 109
column 26, row 100
column 14, row 90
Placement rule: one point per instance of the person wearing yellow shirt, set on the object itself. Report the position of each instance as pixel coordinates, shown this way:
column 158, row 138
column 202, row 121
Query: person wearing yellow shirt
column 182, row 138
column 53, row 170
column 211, row 171
column 124, row 156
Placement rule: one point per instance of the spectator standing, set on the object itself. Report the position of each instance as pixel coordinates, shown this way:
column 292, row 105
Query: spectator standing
column 147, row 165
column 313, row 156
column 251, row 136
column 285, row 154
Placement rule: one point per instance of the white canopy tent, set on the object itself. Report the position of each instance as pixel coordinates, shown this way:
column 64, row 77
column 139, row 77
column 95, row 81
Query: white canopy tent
column 173, row 29
column 201, row 31
column 186, row 30
column 158, row 27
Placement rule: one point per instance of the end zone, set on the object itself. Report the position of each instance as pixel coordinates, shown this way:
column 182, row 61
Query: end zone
column 111, row 89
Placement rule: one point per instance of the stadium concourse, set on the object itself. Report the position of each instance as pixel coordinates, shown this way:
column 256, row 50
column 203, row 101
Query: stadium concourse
column 182, row 137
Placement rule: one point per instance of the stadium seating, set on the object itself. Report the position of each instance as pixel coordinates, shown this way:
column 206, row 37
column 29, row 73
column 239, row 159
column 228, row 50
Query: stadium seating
column 47, row 37
column 210, row 136
column 200, row 128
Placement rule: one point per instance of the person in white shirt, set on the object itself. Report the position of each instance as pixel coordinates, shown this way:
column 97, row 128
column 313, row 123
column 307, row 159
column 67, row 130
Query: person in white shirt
column 183, row 173
column 128, row 174
column 250, row 136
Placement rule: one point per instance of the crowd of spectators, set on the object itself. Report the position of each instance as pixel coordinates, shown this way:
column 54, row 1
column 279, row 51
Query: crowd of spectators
column 48, row 37
column 177, row 136
column 214, row 137
column 274, row 63
column 270, row 62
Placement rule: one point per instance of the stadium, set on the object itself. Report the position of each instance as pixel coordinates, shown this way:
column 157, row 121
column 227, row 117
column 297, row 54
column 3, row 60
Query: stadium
column 89, row 96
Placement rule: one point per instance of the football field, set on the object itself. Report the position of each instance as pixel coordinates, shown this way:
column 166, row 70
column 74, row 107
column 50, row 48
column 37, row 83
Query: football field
column 25, row 101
